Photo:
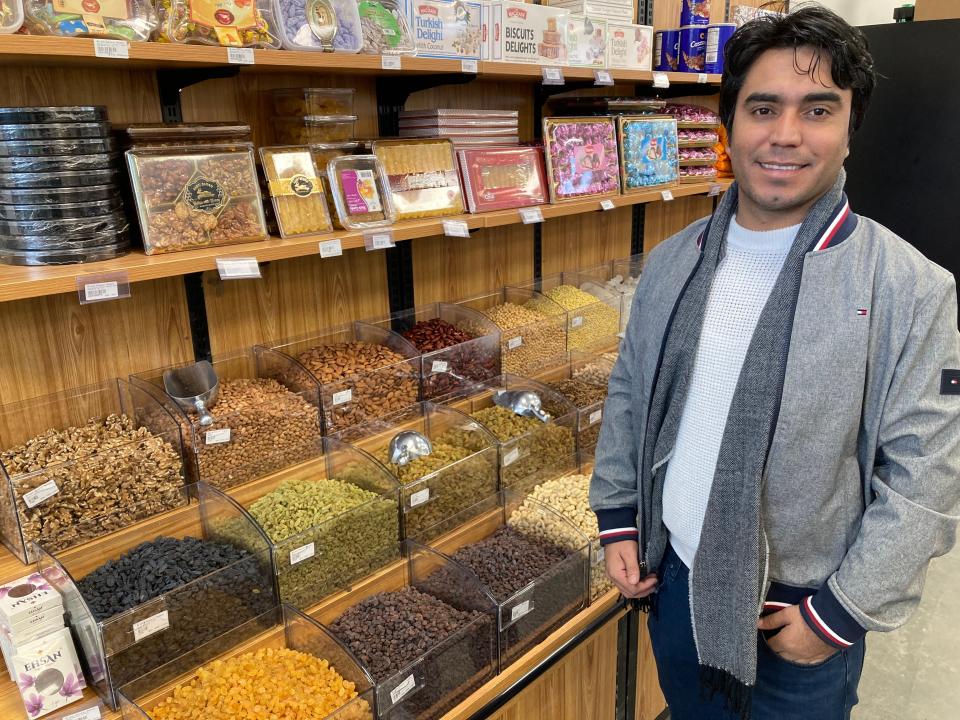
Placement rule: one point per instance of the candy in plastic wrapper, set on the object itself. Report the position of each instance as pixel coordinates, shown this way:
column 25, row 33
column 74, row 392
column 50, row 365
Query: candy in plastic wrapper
column 133, row 20
column 648, row 146
column 231, row 23
column 582, row 157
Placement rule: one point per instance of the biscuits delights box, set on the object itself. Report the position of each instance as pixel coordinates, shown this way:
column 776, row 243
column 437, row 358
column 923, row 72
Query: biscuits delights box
column 523, row 33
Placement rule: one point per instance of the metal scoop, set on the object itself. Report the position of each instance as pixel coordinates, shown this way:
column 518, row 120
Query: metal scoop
column 407, row 446
column 194, row 388
column 322, row 20
column 521, row 402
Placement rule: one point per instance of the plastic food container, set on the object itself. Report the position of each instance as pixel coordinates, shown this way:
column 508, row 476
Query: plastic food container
column 361, row 192
column 604, row 105
column 11, row 16
column 133, row 20
column 58, row 163
column 501, row 178
column 54, row 131
column 323, row 153
column 648, row 152
column 297, row 102
column 86, row 242
column 62, row 180
column 59, row 196
column 453, row 114
column 313, row 129
column 232, row 23
column 422, row 175
column 297, row 32
column 54, row 114
column 79, row 146
column 192, row 198
column 296, row 189
column 79, row 226
column 183, row 134
column 62, row 257
column 567, row 379
column 697, row 173
column 581, row 157
column 385, row 28
column 67, row 211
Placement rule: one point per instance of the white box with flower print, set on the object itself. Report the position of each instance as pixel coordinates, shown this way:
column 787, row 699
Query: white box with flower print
column 49, row 675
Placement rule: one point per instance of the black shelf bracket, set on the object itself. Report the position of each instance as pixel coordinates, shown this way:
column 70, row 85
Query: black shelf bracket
column 171, row 82
column 197, row 312
column 636, row 228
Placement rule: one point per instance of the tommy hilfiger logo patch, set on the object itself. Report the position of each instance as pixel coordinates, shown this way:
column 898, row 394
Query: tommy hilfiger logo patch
column 950, row 382
column 862, row 312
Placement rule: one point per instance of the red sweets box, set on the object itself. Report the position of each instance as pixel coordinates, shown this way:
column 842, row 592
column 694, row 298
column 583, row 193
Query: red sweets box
column 502, row 178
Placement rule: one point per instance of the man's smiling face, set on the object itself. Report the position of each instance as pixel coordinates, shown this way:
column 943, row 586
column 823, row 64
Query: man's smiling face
column 789, row 138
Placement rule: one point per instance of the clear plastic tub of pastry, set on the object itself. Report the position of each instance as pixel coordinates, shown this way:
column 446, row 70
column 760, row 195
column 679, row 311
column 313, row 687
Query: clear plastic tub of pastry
column 59, row 180
column 132, row 20
column 385, row 28
column 65, row 211
column 53, row 114
column 62, row 257
column 448, row 114
column 11, row 16
column 45, row 148
column 59, row 163
column 313, row 129
column 296, row 189
column 57, row 196
column 231, row 23
column 64, row 242
column 323, row 153
column 297, row 102
column 65, row 226
column 361, row 192
column 54, row 131
column 195, row 197
column 422, row 175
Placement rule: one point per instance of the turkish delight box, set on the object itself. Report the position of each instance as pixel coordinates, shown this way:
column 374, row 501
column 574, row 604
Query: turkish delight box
column 586, row 41
column 523, row 33
column 446, row 28
column 629, row 47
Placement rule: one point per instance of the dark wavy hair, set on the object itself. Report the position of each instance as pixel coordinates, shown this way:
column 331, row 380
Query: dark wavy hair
column 813, row 26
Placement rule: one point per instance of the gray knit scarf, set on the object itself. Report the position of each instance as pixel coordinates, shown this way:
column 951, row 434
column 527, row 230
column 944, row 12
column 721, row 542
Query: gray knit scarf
column 726, row 580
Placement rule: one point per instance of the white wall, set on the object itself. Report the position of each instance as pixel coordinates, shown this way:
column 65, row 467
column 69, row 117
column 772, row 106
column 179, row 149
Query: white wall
column 863, row 12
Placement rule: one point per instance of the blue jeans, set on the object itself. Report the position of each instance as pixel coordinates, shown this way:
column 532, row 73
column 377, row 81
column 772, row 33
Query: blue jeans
column 784, row 691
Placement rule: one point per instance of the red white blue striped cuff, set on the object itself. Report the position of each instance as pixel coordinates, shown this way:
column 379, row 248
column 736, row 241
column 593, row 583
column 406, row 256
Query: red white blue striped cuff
column 617, row 524
column 830, row 620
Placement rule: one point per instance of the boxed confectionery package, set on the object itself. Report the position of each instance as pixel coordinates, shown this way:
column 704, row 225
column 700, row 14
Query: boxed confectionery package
column 629, row 47
column 586, row 39
column 518, row 32
column 446, row 28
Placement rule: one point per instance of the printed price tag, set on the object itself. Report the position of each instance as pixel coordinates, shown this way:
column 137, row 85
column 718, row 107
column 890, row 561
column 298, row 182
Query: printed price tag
column 660, row 80
column 552, row 76
column 666, row 195
column 305, row 552
column 344, row 396
column 331, row 248
column 101, row 291
column 577, row 321
column 714, row 190
column 514, row 343
column 702, row 78
column 468, row 66
column 518, row 611
column 439, row 366
column 215, row 437
column 240, row 56
column 596, row 416
column 41, row 493
column 390, row 62
column 88, row 714
column 607, row 204
column 238, row 268
column 511, row 457
column 602, row 77
column 378, row 240
column 419, row 497
column 402, row 690
column 531, row 215
column 103, row 286
column 456, row 228
column 151, row 626
column 115, row 49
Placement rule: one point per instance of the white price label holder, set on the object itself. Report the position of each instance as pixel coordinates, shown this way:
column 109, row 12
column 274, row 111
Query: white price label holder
column 380, row 240
column 151, row 626
column 511, row 457
column 390, row 62
column 667, row 195
column 105, row 286
column 240, row 56
column 389, row 695
column 714, row 190
column 607, row 204
column 661, row 80
column 456, row 228
column 217, row 437
column 702, row 78
column 531, row 215
column 469, row 66
column 600, row 556
column 602, row 77
column 40, row 493
column 552, row 76
column 304, row 552
column 113, row 49
column 577, row 321
column 596, row 416
column 510, row 615
column 419, row 498
column 89, row 713
column 240, row 268
column 439, row 366
column 344, row 396
column 514, row 342
column 331, row 248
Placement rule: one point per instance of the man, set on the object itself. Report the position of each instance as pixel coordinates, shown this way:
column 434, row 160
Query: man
column 780, row 450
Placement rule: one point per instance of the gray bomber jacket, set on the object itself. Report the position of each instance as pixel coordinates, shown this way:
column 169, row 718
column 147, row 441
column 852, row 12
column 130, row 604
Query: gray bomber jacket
column 862, row 483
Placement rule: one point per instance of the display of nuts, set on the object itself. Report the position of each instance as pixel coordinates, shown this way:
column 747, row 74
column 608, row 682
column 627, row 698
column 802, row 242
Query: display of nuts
column 454, row 356
column 108, row 474
column 530, row 339
column 597, row 372
column 588, row 398
column 593, row 323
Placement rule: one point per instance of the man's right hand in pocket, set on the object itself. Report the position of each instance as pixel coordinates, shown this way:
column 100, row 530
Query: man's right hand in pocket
column 623, row 567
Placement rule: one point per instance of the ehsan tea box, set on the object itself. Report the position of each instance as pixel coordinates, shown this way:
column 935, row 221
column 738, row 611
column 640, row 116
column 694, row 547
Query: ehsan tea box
column 629, row 47
column 522, row 33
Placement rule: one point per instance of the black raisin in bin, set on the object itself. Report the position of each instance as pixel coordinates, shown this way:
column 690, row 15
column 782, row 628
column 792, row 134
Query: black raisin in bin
column 191, row 592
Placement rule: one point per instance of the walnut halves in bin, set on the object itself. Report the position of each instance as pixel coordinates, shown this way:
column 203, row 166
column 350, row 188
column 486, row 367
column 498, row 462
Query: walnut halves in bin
column 188, row 198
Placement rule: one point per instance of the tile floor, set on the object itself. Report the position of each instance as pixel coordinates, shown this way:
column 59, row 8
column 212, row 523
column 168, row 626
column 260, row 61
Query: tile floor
column 914, row 673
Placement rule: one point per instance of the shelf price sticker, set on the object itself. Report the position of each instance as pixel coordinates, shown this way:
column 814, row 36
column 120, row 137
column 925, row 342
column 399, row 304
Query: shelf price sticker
column 419, row 498
column 331, row 248
column 241, row 268
column 344, row 396
column 91, row 713
column 702, row 78
column 403, row 689
column 217, row 437
column 607, row 204
column 661, row 80
column 439, row 366
column 531, row 215
column 602, row 77
column 714, row 190
column 40, row 493
column 552, row 76
column 240, row 56
column 514, row 342
column 113, row 49
column 304, row 552
column 378, row 240
column 151, row 626
column 469, row 66
column 511, row 457
column 520, row 610
column 104, row 286
column 390, row 62
column 667, row 195
column 456, row 228
column 595, row 417
column 577, row 321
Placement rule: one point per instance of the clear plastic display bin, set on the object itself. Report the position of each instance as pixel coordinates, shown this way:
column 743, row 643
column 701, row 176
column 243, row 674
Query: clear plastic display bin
column 82, row 463
column 583, row 381
column 291, row 631
column 118, row 649
column 530, row 337
column 531, row 450
column 460, row 470
column 265, row 419
column 626, row 276
column 363, row 372
column 593, row 318
column 551, row 592
column 428, row 684
column 450, row 361
column 329, row 522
